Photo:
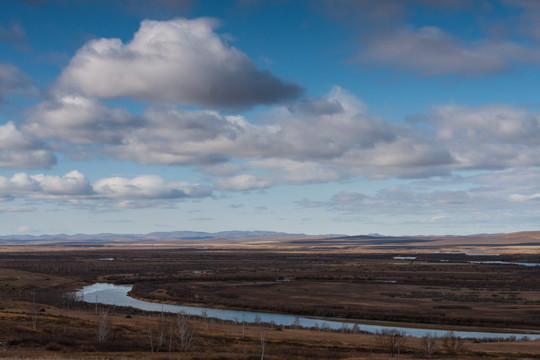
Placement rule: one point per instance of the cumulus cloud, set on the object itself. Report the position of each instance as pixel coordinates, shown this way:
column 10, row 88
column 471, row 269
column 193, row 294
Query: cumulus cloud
column 147, row 187
column 319, row 139
column 175, row 136
column 45, row 186
column 115, row 190
column 181, row 61
column 12, row 139
column 430, row 51
column 488, row 136
column 323, row 139
column 21, row 151
column 498, row 123
column 78, row 120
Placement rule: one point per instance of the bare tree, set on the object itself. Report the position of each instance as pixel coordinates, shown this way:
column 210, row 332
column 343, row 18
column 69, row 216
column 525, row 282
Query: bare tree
column 263, row 344
column 156, row 335
column 429, row 344
column 171, row 331
column 34, row 311
column 103, row 329
column 452, row 344
column 391, row 340
column 156, row 338
column 204, row 315
column 185, row 332
column 296, row 323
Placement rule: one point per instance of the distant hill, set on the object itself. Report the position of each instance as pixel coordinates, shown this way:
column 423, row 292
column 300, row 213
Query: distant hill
column 281, row 239
column 122, row 238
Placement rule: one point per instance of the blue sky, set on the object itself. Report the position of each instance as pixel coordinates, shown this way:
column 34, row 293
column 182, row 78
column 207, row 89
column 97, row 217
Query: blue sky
column 317, row 117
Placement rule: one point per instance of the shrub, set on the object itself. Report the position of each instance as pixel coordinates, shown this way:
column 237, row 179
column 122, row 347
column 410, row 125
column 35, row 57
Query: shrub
column 52, row 346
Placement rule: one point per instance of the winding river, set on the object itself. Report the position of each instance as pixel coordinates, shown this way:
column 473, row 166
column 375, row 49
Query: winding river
column 110, row 294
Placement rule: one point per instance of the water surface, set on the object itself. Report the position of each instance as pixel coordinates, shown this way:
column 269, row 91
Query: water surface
column 110, row 294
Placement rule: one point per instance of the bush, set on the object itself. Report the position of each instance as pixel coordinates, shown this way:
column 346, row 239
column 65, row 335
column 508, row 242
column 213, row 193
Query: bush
column 52, row 346
column 391, row 340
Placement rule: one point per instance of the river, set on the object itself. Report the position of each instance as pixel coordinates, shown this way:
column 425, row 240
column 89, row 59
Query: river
column 110, row 294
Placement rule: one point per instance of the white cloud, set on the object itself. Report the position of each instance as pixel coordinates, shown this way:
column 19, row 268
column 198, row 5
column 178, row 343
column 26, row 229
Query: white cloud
column 13, row 139
column 323, row 139
column 498, row 123
column 243, row 182
column 430, row 51
column 174, row 136
column 147, row 187
column 179, row 60
column 21, row 151
column 75, row 187
column 45, row 186
column 78, row 120
column 33, row 159
column 488, row 136
column 498, row 197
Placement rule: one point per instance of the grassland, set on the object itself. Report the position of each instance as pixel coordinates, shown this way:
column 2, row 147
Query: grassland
column 427, row 281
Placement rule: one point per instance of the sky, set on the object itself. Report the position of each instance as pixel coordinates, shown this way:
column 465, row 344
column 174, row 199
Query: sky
column 411, row 117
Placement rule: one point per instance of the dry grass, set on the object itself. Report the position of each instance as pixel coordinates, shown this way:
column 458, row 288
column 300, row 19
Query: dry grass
column 69, row 336
column 36, row 322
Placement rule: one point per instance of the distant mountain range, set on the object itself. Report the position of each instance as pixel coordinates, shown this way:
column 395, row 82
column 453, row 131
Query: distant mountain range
column 155, row 236
column 199, row 238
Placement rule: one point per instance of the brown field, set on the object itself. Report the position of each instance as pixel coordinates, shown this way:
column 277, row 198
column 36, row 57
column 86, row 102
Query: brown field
column 355, row 278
